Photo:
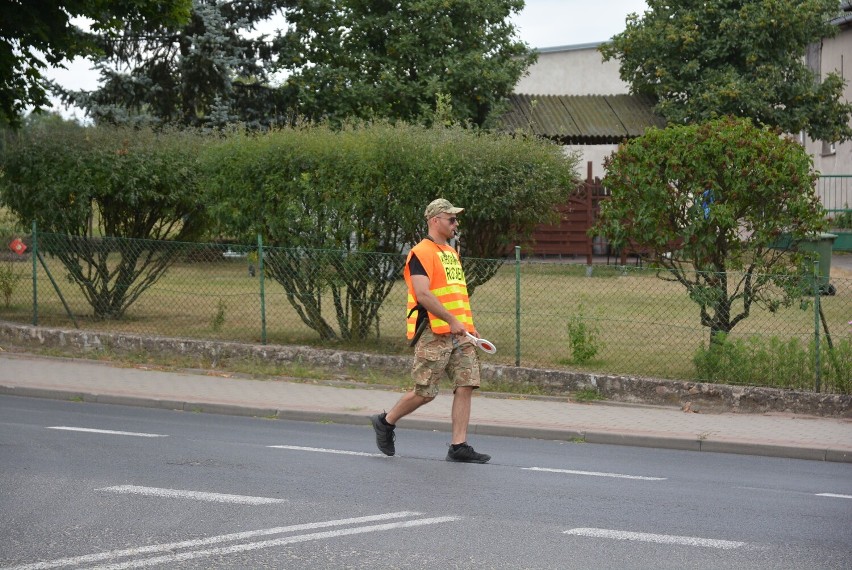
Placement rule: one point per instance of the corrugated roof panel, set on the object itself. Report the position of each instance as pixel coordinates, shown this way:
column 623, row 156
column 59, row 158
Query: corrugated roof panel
column 635, row 112
column 516, row 118
column 550, row 118
column 594, row 116
column 582, row 119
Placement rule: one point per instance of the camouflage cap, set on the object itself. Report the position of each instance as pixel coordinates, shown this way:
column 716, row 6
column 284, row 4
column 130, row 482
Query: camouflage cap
column 441, row 206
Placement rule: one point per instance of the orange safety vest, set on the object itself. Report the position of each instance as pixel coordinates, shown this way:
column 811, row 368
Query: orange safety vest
column 446, row 281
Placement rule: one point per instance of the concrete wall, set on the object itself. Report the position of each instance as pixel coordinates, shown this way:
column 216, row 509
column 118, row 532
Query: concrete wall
column 572, row 70
column 594, row 154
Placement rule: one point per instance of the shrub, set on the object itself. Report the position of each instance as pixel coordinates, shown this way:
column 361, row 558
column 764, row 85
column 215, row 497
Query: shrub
column 776, row 363
column 843, row 221
column 9, row 279
column 322, row 197
column 218, row 320
column 583, row 339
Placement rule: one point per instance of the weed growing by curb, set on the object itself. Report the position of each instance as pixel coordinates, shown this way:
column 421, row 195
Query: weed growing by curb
column 587, row 395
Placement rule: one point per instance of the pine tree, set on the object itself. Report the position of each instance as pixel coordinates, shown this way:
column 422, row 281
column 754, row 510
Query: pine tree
column 207, row 73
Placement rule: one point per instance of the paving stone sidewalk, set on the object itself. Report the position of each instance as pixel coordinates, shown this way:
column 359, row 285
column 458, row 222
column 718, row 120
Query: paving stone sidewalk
column 779, row 435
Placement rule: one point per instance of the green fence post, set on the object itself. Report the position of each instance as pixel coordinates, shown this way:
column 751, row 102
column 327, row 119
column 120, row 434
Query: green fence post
column 35, row 278
column 58, row 291
column 817, row 366
column 517, row 305
column 262, row 291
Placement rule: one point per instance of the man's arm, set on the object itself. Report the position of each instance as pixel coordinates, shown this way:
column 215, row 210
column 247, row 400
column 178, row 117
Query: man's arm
column 420, row 284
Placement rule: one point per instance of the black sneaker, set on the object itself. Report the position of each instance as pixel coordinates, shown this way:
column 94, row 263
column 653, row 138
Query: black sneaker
column 466, row 454
column 384, row 434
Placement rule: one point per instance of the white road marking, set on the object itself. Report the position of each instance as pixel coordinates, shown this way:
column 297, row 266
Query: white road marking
column 657, row 538
column 594, row 473
column 324, row 450
column 154, row 549
column 172, row 558
column 176, row 494
column 107, row 431
column 836, row 496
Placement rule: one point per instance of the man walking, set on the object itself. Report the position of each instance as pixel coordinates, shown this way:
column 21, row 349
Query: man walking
column 439, row 317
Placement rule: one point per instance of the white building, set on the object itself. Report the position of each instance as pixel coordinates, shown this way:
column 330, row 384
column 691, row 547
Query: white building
column 573, row 90
column 571, row 95
column 832, row 55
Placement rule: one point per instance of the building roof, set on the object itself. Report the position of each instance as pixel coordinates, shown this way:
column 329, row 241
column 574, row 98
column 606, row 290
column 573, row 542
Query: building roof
column 582, row 119
column 845, row 16
column 572, row 47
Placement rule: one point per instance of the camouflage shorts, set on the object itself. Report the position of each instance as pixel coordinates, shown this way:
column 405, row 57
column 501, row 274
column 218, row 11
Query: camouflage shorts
column 436, row 353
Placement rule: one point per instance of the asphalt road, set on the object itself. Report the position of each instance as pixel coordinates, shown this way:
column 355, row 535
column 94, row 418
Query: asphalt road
column 99, row 486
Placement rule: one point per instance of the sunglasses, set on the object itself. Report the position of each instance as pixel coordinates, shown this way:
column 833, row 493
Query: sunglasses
column 452, row 220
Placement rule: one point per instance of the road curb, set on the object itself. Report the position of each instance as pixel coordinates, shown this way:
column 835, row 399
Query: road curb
column 605, row 438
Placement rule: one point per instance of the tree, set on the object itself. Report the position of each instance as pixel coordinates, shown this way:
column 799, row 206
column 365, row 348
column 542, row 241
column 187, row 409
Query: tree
column 34, row 35
column 711, row 202
column 204, row 72
column 338, row 207
column 391, row 59
column 746, row 58
column 89, row 189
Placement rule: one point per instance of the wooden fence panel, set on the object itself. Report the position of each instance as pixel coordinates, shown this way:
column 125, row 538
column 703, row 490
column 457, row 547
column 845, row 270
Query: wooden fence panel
column 570, row 236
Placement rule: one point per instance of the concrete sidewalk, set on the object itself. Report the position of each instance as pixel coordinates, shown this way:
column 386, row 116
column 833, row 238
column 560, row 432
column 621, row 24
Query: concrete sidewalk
column 779, row 435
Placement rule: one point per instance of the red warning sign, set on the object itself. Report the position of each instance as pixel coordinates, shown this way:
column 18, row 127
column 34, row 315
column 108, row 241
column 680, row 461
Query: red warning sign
column 18, row 246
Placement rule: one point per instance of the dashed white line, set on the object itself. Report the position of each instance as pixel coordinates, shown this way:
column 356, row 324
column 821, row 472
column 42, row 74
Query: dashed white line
column 835, row 495
column 324, row 450
column 158, row 548
column 107, row 431
column 594, row 473
column 197, row 495
column 656, row 538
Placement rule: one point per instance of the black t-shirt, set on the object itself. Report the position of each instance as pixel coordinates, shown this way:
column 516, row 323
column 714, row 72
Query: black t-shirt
column 415, row 267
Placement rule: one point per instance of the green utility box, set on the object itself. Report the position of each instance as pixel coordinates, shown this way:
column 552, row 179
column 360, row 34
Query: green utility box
column 843, row 241
column 821, row 244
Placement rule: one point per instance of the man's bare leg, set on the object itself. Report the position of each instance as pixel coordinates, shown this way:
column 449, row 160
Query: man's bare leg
column 461, row 413
column 407, row 404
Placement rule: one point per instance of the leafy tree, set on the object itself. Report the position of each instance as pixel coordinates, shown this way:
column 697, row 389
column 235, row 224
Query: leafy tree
column 710, row 203
column 350, row 58
column 205, row 72
column 34, row 35
column 340, row 206
column 82, row 183
column 745, row 58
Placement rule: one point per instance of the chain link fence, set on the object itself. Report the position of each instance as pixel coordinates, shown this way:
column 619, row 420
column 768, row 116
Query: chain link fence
column 607, row 319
